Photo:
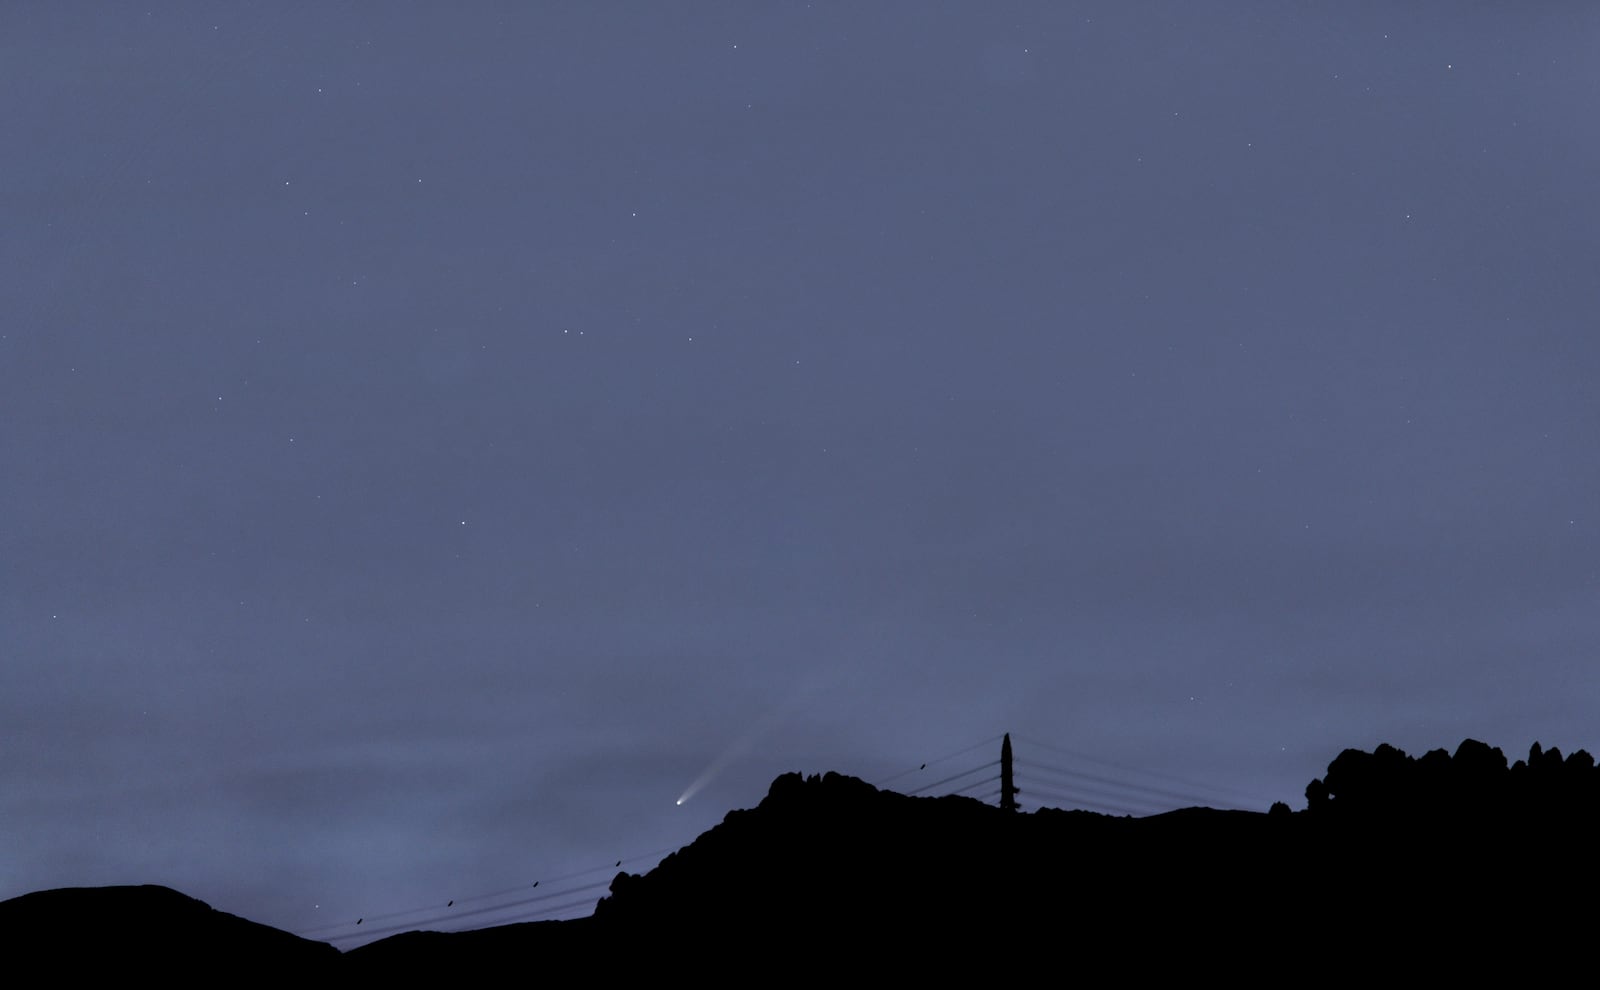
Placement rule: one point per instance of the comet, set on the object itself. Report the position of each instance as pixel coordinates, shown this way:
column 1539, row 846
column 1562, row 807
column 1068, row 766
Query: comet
column 739, row 748
column 743, row 744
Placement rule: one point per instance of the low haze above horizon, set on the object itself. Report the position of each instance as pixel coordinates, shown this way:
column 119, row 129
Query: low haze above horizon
column 449, row 446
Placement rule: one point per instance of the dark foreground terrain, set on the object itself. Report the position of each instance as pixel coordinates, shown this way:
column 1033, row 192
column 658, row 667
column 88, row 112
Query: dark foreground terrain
column 1443, row 865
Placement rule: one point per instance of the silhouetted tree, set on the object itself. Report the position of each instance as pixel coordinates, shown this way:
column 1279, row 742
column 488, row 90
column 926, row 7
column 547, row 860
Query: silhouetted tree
column 1008, row 787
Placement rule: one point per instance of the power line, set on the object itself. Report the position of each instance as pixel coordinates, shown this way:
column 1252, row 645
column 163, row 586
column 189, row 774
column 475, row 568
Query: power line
column 548, row 882
column 938, row 760
column 1031, row 794
column 1059, row 786
column 940, row 783
column 1153, row 795
column 543, row 914
column 983, row 782
column 490, row 909
column 1216, row 788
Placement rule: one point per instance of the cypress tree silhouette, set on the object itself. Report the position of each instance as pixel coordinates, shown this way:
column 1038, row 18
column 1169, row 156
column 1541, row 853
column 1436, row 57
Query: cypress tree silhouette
column 1008, row 789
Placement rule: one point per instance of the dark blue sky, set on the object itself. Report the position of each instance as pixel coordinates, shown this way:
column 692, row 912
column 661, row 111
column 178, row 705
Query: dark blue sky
column 431, row 436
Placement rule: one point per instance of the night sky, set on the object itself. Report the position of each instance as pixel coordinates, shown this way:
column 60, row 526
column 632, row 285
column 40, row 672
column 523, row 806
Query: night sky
column 432, row 436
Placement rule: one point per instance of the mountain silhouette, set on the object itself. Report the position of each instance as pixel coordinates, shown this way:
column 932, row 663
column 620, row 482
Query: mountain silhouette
column 52, row 936
column 1399, row 867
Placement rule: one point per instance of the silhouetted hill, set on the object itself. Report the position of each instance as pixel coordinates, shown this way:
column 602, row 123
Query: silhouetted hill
column 1444, row 864
column 55, row 936
column 1400, row 867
